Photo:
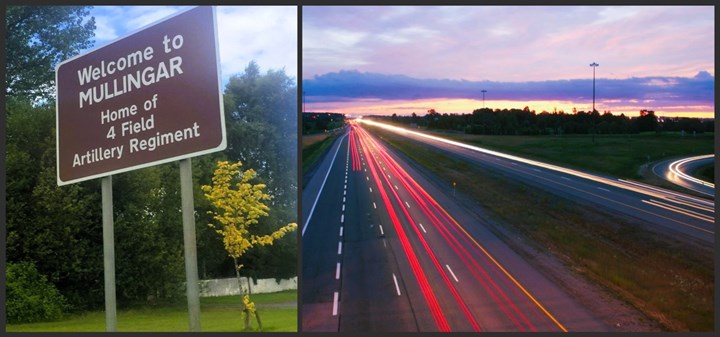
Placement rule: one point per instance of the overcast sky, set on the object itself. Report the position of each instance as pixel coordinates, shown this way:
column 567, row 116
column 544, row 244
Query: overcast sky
column 266, row 34
column 406, row 59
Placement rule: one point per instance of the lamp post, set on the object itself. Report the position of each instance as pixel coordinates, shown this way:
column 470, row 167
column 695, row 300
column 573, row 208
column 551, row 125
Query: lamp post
column 593, row 65
column 483, row 91
column 592, row 113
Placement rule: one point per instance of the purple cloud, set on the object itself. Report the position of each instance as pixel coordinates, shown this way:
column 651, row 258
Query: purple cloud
column 345, row 86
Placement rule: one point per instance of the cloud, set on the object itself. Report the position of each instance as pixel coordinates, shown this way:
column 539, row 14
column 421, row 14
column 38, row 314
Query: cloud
column 345, row 86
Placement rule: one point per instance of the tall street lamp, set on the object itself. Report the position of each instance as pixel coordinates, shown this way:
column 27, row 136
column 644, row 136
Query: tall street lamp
column 593, row 65
column 483, row 91
column 592, row 113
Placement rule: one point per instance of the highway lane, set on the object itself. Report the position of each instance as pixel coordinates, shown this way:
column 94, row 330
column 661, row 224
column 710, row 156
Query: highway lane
column 405, row 263
column 677, row 171
column 660, row 209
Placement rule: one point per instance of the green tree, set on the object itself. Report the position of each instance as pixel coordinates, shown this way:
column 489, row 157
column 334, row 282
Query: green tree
column 238, row 204
column 37, row 38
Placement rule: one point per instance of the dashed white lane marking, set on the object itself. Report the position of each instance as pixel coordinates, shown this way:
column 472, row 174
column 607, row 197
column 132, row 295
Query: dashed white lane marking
column 374, row 206
column 337, row 271
column 370, row 189
column 423, row 228
column 341, row 231
column 332, row 161
column 566, row 178
column 339, row 247
column 343, row 208
column 451, row 273
column 406, row 204
column 536, row 170
column 367, row 178
column 345, row 186
column 343, row 199
column 395, row 186
column 384, row 243
column 335, row 303
column 397, row 287
column 365, row 170
column 604, row 189
column 389, row 176
column 342, row 218
column 513, row 164
column 344, row 192
column 381, row 230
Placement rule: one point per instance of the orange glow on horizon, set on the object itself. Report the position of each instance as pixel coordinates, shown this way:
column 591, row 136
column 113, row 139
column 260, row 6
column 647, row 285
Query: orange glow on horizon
column 460, row 106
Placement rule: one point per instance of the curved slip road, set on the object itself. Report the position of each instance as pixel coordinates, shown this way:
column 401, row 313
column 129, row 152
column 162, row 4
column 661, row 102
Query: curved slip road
column 676, row 172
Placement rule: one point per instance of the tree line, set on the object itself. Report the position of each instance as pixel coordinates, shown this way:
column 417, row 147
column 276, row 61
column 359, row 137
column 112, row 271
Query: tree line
column 316, row 122
column 57, row 230
column 487, row 121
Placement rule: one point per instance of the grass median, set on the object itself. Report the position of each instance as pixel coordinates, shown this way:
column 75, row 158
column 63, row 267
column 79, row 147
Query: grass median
column 615, row 155
column 313, row 148
column 669, row 281
column 278, row 312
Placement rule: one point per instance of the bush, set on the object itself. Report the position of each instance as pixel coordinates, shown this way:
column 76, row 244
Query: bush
column 30, row 296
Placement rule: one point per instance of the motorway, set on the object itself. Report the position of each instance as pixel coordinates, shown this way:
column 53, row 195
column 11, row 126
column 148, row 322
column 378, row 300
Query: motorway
column 384, row 250
column 676, row 172
column 674, row 213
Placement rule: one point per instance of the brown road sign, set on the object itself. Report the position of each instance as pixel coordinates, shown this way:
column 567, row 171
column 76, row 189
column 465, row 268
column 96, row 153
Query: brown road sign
column 149, row 98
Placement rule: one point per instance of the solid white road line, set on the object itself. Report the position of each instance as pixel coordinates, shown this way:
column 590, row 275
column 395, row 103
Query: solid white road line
column 322, row 186
column 451, row 273
column 335, row 303
column 397, row 287
column 337, row 271
column 423, row 228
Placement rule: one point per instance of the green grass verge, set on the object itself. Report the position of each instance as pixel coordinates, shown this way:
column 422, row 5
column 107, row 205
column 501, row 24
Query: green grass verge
column 278, row 312
column 706, row 173
column 669, row 281
column 616, row 155
column 313, row 151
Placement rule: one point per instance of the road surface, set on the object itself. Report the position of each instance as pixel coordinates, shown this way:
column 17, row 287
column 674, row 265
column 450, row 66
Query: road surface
column 383, row 250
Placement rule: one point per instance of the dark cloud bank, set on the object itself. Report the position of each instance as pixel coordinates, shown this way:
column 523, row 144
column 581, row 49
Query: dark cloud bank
column 663, row 91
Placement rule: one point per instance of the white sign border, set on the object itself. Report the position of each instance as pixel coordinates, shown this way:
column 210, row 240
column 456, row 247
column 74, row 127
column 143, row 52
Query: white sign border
column 221, row 147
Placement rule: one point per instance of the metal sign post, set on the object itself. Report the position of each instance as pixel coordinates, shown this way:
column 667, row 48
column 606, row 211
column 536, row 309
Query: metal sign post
column 109, row 254
column 191, row 269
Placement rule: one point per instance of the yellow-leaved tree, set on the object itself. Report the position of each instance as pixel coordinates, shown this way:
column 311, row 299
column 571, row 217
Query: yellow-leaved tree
column 238, row 204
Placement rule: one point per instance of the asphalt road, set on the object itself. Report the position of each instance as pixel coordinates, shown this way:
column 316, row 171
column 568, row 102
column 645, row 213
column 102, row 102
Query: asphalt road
column 383, row 250
column 670, row 212
column 677, row 171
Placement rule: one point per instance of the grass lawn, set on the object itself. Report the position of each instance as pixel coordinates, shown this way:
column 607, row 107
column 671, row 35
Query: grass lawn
column 313, row 147
column 278, row 312
column 668, row 280
column 617, row 155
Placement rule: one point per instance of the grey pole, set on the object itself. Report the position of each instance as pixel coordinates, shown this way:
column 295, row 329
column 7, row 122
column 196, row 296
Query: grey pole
column 593, row 65
column 191, row 269
column 109, row 254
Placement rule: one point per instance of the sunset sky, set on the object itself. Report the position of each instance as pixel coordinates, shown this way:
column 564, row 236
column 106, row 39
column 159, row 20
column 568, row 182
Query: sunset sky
column 384, row 60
